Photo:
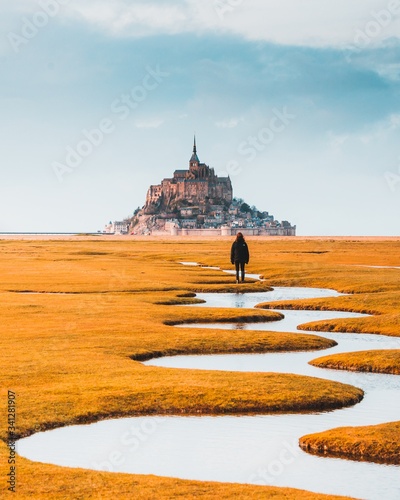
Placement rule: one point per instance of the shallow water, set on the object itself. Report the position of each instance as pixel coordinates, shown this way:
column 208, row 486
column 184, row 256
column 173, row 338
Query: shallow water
column 257, row 449
column 251, row 299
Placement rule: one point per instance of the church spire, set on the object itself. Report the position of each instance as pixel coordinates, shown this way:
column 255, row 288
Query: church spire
column 194, row 160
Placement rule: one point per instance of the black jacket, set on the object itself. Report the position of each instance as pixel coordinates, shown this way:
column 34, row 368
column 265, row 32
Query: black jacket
column 240, row 252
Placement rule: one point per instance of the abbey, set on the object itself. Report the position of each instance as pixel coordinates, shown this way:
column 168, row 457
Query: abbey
column 198, row 202
column 199, row 186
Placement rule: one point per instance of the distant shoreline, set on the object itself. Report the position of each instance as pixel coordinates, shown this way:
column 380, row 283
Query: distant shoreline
column 34, row 233
column 90, row 236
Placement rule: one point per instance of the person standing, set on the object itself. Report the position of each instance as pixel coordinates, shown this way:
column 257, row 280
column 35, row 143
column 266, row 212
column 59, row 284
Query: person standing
column 240, row 255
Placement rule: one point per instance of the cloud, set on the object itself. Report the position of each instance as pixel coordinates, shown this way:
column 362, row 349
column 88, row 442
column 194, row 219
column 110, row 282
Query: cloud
column 381, row 130
column 357, row 24
column 313, row 23
column 122, row 18
column 230, row 123
column 150, row 123
column 336, row 141
column 389, row 72
column 319, row 23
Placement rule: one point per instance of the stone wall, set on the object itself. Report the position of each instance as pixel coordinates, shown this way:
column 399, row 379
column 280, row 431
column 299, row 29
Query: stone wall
column 280, row 231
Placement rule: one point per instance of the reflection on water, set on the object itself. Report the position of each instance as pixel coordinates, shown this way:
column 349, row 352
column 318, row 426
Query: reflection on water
column 257, row 449
column 251, row 299
column 289, row 323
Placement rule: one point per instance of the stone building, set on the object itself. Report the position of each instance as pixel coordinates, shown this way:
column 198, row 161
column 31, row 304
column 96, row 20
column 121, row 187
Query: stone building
column 198, row 202
column 198, row 186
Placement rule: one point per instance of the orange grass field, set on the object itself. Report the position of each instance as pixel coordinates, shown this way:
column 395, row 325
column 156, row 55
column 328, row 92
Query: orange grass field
column 79, row 313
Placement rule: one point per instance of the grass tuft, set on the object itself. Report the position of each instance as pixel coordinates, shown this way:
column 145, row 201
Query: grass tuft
column 376, row 361
column 373, row 443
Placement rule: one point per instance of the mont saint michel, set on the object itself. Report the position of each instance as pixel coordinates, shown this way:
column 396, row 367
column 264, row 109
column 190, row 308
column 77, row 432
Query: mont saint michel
column 196, row 201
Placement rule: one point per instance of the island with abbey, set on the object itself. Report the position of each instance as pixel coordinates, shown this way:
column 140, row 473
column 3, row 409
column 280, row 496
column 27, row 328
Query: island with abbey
column 198, row 202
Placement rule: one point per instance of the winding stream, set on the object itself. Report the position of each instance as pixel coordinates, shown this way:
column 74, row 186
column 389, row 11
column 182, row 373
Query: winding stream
column 259, row 449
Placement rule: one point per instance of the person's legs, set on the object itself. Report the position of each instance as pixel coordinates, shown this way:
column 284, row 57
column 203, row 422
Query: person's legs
column 242, row 264
column 237, row 271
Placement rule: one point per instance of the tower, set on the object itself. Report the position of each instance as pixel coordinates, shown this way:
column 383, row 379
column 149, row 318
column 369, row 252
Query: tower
column 194, row 160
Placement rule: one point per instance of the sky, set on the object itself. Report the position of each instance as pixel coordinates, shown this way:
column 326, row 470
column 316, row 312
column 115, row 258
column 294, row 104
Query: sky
column 298, row 101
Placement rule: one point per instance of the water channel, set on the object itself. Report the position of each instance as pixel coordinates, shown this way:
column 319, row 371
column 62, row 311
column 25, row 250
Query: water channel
column 261, row 449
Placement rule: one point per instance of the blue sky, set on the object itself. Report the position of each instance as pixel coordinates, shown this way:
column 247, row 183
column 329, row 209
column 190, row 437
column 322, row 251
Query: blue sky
column 298, row 101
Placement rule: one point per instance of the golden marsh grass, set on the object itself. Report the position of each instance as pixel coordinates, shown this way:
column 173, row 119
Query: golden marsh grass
column 377, row 361
column 79, row 313
column 377, row 443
